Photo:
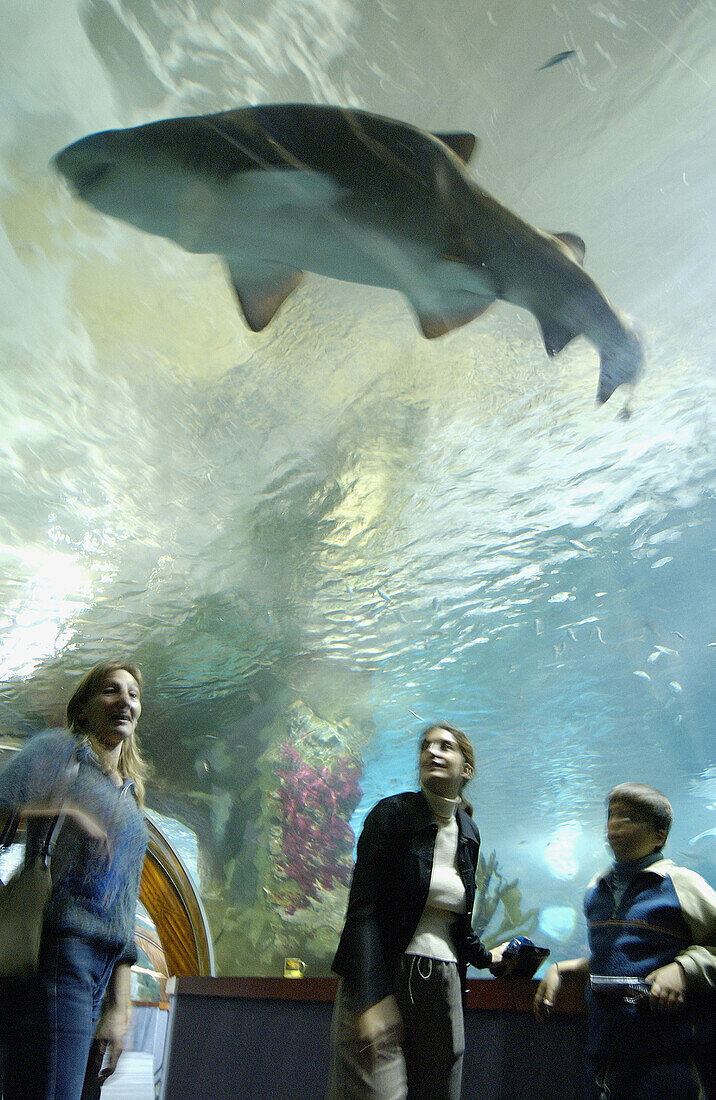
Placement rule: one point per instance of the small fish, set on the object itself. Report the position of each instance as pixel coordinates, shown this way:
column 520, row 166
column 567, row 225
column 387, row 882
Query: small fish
column 569, row 627
column 643, row 675
column 383, row 595
column 711, row 645
column 676, row 687
column 416, row 715
column 557, row 59
column 665, row 649
column 579, row 545
column 702, row 836
column 679, row 635
column 599, row 635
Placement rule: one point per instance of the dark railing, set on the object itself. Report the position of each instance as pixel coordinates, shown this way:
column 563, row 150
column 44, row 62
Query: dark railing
column 483, row 994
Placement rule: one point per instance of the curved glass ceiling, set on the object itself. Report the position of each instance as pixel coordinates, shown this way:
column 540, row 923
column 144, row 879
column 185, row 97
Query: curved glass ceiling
column 316, row 537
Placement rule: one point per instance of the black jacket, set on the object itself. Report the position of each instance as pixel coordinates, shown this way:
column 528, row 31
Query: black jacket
column 388, row 894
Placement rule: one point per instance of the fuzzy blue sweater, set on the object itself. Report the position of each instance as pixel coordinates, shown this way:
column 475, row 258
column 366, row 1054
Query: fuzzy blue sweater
column 95, row 885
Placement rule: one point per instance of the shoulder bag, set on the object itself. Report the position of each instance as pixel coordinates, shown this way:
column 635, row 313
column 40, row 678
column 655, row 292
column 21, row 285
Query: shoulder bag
column 22, row 907
column 24, row 897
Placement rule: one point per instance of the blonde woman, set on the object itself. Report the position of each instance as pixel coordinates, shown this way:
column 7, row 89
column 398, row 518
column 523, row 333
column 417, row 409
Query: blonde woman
column 94, row 774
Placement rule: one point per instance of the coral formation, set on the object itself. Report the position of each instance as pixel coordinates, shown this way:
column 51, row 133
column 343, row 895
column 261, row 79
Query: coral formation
column 301, row 849
column 316, row 839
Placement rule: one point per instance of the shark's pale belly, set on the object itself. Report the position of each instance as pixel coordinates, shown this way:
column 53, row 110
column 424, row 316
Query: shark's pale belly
column 306, row 222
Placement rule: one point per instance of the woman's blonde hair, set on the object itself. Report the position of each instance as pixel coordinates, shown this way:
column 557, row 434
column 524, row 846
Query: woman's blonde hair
column 131, row 764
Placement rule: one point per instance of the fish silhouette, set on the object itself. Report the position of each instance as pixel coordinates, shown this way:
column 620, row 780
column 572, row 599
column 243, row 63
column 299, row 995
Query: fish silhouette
column 557, row 59
column 282, row 189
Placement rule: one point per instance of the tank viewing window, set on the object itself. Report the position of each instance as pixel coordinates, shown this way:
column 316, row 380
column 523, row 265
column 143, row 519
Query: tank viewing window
column 357, row 374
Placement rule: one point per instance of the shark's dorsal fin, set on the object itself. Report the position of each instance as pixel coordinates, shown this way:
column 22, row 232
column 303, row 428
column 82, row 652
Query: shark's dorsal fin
column 260, row 297
column 462, row 144
column 575, row 244
column 439, row 324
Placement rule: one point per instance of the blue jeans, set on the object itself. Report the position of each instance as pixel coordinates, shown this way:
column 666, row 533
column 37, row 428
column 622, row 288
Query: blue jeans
column 49, row 1024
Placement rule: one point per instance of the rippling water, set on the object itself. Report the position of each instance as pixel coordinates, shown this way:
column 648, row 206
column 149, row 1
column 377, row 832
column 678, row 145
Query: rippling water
column 383, row 526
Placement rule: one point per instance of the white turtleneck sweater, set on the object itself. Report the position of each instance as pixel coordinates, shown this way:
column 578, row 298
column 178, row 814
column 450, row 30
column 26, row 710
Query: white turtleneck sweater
column 446, row 894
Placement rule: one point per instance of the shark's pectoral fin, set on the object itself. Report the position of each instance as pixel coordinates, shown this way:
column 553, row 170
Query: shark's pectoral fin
column 556, row 336
column 462, row 144
column 261, row 294
column 575, row 245
column 434, row 323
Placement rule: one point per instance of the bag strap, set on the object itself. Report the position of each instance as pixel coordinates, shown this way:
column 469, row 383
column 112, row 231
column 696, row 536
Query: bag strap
column 9, row 832
column 48, row 845
column 9, row 829
column 70, row 772
column 12, row 821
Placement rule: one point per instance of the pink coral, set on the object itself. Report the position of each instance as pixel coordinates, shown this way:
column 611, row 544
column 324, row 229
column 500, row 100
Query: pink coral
column 316, row 839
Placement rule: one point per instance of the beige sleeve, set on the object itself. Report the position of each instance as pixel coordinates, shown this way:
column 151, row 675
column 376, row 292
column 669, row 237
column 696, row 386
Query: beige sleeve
column 698, row 905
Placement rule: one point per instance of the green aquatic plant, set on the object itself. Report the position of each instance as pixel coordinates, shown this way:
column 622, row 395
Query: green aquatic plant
column 496, row 897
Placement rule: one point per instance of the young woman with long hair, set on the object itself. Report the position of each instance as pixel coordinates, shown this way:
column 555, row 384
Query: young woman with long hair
column 93, row 774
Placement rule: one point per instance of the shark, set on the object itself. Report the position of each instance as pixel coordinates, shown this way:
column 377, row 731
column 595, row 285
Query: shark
column 281, row 189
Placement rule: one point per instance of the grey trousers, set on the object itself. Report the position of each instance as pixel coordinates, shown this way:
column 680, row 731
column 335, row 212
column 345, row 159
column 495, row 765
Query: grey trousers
column 425, row 1063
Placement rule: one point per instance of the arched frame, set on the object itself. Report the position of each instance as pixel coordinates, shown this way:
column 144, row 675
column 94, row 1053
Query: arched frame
column 172, row 901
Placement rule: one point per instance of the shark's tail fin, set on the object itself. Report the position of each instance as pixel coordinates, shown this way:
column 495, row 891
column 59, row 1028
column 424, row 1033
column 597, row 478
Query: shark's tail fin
column 620, row 363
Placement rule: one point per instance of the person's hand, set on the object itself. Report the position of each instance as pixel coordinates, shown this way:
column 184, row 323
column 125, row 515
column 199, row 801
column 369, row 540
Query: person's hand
column 85, row 820
column 668, row 988
column 381, row 1018
column 498, row 967
column 112, row 1031
column 546, row 993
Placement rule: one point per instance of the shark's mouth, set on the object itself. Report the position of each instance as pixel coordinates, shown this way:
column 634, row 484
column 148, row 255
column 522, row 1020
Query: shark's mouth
column 82, row 173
